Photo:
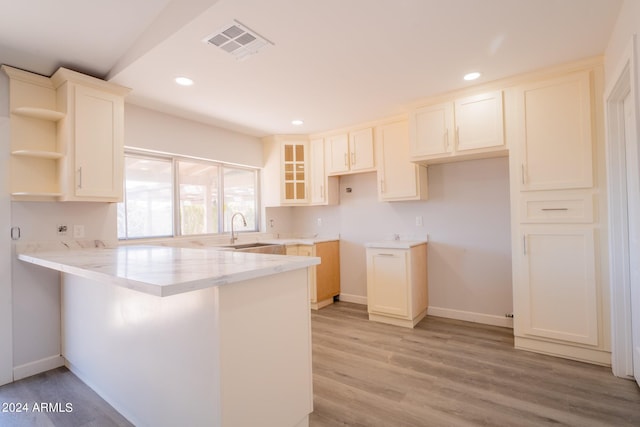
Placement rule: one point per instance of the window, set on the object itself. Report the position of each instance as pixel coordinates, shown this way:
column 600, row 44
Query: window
column 199, row 186
column 205, row 196
column 147, row 210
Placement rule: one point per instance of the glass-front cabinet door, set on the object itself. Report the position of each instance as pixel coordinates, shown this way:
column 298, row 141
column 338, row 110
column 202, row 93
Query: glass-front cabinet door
column 294, row 168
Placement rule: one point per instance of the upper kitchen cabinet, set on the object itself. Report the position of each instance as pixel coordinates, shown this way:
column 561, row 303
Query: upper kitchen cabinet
column 67, row 137
column 92, row 137
column 324, row 189
column 35, row 152
column 554, row 133
column 461, row 129
column 286, row 180
column 398, row 178
column 350, row 152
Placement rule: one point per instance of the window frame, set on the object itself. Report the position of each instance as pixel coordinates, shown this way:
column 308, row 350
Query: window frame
column 176, row 214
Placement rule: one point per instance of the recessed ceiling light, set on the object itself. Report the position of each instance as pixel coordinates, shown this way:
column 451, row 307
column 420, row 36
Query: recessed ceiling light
column 297, row 122
column 184, row 81
column 472, row 76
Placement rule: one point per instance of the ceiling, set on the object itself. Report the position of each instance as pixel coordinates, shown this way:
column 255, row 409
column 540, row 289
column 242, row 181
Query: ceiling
column 333, row 63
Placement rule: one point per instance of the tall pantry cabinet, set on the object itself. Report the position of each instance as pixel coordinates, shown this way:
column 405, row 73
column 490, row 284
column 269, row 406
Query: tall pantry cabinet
column 558, row 217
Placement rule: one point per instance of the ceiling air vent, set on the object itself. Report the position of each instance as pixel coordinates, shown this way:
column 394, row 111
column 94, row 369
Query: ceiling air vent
column 238, row 40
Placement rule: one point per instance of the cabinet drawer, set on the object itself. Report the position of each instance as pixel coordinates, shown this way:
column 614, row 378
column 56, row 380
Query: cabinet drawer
column 560, row 208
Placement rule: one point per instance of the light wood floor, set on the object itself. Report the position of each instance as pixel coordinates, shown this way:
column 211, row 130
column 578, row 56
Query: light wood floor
column 452, row 373
column 442, row 373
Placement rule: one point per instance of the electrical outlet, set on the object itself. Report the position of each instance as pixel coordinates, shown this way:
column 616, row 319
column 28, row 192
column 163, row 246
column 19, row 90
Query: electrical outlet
column 319, row 221
column 419, row 221
column 61, row 229
column 78, row 231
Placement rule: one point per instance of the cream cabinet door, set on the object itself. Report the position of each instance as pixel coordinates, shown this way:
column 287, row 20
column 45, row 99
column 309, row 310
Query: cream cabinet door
column 554, row 130
column 337, row 147
column 318, row 177
column 98, row 143
column 398, row 178
column 557, row 295
column 479, row 121
column 431, row 130
column 388, row 281
column 361, row 152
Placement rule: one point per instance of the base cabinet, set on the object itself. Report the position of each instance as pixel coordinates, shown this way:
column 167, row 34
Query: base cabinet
column 397, row 285
column 557, row 294
column 324, row 279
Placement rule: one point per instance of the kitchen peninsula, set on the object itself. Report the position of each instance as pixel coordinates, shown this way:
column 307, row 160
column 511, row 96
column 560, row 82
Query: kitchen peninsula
column 184, row 336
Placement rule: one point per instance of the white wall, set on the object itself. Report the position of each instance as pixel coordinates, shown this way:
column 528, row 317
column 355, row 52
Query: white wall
column 153, row 130
column 628, row 23
column 36, row 290
column 466, row 217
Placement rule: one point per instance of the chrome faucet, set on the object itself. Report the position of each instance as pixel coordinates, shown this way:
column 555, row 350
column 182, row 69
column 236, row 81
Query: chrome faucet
column 244, row 222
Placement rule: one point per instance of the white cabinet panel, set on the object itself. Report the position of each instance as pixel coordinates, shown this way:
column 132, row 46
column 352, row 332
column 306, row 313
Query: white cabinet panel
column 555, row 133
column 338, row 153
column 479, row 121
column 99, row 143
column 388, row 280
column 431, row 130
column 397, row 285
column 361, row 150
column 350, row 152
column 398, row 178
column 324, row 189
column 558, row 291
column 318, row 176
column 464, row 128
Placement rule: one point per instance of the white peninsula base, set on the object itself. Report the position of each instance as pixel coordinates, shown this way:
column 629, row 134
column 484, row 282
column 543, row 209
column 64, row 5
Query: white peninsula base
column 232, row 355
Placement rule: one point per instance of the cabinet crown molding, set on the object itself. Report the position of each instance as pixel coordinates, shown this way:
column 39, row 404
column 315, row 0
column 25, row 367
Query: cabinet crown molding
column 64, row 75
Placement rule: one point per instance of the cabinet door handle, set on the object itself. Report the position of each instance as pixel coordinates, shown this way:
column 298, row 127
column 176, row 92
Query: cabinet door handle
column 382, row 185
column 457, row 136
column 353, row 158
column 524, row 244
column 383, row 254
column 322, row 191
column 80, row 177
column 345, row 160
column 555, row 209
column 522, row 172
column 15, row 233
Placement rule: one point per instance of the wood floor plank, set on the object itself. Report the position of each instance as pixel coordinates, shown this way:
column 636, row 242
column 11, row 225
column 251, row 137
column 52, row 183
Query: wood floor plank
column 448, row 372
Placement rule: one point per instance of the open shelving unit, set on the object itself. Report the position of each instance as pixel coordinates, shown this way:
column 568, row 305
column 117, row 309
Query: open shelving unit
column 35, row 153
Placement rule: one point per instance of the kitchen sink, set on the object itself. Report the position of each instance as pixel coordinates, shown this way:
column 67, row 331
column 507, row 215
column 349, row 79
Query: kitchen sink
column 261, row 248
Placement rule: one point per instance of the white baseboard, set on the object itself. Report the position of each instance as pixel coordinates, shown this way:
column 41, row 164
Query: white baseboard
column 357, row 299
column 36, row 367
column 469, row 316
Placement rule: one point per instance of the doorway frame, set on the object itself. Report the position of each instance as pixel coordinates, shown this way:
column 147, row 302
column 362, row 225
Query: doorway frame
column 6, row 283
column 623, row 83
